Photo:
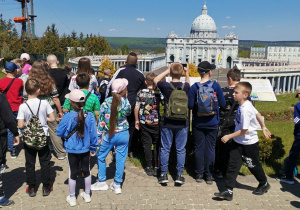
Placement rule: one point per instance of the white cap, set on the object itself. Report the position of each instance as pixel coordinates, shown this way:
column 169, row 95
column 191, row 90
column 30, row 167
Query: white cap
column 25, row 56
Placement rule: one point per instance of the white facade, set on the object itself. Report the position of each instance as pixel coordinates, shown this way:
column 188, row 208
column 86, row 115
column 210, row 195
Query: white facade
column 291, row 54
column 203, row 44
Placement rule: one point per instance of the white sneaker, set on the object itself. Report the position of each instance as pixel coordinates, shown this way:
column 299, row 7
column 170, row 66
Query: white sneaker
column 99, row 186
column 116, row 188
column 71, row 201
column 85, row 197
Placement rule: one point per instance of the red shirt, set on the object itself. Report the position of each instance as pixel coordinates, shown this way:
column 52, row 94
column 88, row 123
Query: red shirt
column 14, row 94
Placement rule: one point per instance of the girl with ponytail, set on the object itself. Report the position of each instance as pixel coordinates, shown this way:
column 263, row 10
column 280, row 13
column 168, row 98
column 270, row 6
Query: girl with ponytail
column 80, row 133
column 113, row 132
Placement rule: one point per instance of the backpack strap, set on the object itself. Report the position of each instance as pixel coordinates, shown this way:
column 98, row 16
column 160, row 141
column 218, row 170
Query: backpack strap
column 172, row 86
column 75, row 128
column 182, row 86
column 6, row 90
column 87, row 96
column 37, row 114
column 29, row 108
column 210, row 84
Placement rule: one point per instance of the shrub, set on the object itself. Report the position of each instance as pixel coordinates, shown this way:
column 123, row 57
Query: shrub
column 271, row 149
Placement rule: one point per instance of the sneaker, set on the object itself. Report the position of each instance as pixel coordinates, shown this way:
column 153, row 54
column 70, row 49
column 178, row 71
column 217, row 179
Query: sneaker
column 156, row 171
column 226, row 195
column 47, row 190
column 163, row 179
column 219, row 175
column 149, row 171
column 62, row 157
column 260, row 190
column 5, row 202
column 285, row 180
column 85, row 197
column 13, row 154
column 180, row 179
column 199, row 178
column 3, row 167
column 209, row 180
column 99, row 186
column 71, row 201
column 30, row 191
column 116, row 188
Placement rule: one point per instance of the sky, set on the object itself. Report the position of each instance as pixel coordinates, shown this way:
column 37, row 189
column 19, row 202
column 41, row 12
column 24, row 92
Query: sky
column 265, row 20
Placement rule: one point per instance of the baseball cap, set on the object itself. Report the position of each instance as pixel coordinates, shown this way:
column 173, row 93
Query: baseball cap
column 205, row 67
column 25, row 56
column 119, row 85
column 10, row 66
column 297, row 91
column 76, row 96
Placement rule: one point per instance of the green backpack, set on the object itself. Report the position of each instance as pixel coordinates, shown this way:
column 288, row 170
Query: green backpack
column 34, row 135
column 177, row 107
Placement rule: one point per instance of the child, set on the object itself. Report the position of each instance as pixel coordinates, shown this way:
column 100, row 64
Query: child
column 80, row 133
column 294, row 152
column 147, row 118
column 113, row 132
column 26, row 58
column 204, row 100
column 12, row 87
column 7, row 120
column 43, row 110
column 245, row 144
column 177, row 126
column 92, row 103
column 103, row 84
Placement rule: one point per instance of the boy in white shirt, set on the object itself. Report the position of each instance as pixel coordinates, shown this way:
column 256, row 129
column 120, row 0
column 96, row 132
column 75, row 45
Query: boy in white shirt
column 245, row 144
column 43, row 110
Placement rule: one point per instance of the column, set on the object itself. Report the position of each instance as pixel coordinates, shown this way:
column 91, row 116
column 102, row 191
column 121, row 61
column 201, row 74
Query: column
column 293, row 86
column 284, row 84
column 144, row 66
column 289, row 85
column 278, row 85
column 297, row 81
column 272, row 83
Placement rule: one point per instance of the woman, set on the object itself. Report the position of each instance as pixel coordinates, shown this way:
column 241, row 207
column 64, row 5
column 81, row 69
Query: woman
column 84, row 65
column 48, row 92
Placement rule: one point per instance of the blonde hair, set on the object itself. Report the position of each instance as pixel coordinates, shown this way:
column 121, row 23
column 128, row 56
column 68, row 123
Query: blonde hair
column 107, row 72
column 176, row 70
column 245, row 86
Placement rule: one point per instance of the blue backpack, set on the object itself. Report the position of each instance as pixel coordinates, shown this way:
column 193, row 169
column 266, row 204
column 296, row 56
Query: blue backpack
column 207, row 100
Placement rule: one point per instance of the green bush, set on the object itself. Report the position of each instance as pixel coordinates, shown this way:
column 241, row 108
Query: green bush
column 271, row 149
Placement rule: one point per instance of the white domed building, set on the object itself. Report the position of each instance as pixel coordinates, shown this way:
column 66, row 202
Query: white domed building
column 203, row 44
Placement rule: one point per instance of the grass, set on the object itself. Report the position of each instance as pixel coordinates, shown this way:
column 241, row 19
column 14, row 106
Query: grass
column 281, row 126
column 2, row 75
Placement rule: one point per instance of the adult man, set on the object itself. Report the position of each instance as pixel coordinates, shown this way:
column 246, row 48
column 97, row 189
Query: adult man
column 136, row 82
column 60, row 77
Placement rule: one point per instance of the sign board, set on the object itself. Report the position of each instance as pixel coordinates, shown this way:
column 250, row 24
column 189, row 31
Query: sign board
column 193, row 80
column 262, row 89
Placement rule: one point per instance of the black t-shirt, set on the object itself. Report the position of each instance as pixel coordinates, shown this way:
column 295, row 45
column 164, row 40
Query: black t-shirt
column 61, row 79
column 166, row 90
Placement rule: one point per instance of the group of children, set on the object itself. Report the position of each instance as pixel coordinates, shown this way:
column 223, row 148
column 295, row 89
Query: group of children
column 82, row 139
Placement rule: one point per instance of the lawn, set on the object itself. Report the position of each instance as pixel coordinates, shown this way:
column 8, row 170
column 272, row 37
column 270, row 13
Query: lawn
column 281, row 126
column 2, row 75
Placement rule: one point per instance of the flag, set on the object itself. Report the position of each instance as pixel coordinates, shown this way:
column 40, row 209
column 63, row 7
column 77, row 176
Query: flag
column 219, row 59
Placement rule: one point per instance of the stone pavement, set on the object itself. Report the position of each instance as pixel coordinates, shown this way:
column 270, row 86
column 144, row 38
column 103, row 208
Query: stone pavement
column 143, row 192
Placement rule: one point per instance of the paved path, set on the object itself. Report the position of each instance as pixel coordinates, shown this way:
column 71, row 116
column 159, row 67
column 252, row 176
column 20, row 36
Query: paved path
column 143, row 192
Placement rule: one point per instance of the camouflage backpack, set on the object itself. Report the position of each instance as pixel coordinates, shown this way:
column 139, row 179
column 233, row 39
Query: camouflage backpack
column 34, row 135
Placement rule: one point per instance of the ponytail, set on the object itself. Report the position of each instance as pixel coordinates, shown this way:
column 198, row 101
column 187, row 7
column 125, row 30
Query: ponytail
column 114, row 113
column 78, row 107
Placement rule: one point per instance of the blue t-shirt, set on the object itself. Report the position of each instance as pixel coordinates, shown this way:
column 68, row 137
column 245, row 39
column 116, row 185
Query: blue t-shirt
column 209, row 120
column 166, row 90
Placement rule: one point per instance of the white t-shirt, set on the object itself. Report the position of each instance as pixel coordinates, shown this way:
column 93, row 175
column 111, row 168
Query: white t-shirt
column 45, row 109
column 93, row 83
column 245, row 118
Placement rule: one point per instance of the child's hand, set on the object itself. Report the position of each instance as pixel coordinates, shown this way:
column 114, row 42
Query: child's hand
column 99, row 141
column 225, row 138
column 267, row 133
column 187, row 68
column 60, row 115
column 16, row 140
column 137, row 125
column 93, row 154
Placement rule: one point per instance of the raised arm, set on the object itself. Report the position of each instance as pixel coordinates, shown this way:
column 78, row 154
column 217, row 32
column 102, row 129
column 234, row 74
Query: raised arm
column 187, row 74
column 162, row 75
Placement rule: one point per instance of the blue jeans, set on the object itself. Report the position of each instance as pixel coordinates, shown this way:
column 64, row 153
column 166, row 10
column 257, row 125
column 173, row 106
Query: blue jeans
column 166, row 143
column 292, row 160
column 120, row 142
column 10, row 136
column 204, row 145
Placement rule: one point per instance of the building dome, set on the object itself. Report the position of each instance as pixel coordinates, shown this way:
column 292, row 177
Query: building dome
column 203, row 23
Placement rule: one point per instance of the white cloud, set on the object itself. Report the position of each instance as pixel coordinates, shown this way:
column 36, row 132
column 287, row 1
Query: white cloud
column 100, row 20
column 228, row 27
column 158, row 29
column 228, row 17
column 141, row 19
column 113, row 29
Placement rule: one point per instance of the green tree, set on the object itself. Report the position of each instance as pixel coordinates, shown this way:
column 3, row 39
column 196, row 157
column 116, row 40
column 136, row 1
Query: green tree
column 124, row 49
column 244, row 53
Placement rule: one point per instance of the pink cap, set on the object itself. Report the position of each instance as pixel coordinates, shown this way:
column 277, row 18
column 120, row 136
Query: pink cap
column 119, row 85
column 76, row 96
column 25, row 56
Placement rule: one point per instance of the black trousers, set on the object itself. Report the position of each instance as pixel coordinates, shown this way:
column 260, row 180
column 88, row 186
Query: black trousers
column 249, row 154
column 79, row 160
column 3, row 150
column 131, row 122
column 44, row 158
column 223, row 150
column 150, row 135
